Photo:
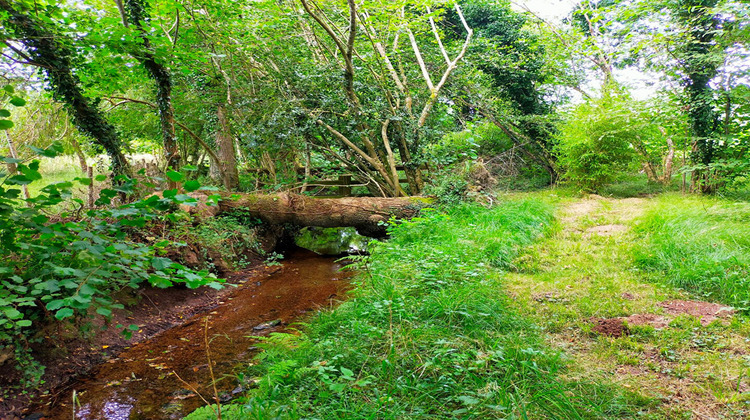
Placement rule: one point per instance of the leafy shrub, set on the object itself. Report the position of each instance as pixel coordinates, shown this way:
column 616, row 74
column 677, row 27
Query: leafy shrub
column 62, row 265
column 477, row 139
column 449, row 187
column 594, row 144
column 604, row 137
column 209, row 412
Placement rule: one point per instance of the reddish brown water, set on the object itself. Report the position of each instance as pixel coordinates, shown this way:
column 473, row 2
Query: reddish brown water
column 140, row 383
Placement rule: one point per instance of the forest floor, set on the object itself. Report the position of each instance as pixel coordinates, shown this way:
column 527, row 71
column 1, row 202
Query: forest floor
column 621, row 325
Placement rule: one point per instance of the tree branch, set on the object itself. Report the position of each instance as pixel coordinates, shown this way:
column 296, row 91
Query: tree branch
column 190, row 132
column 451, row 66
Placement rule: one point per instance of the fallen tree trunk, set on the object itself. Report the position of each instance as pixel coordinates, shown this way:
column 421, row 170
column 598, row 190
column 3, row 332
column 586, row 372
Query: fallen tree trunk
column 366, row 214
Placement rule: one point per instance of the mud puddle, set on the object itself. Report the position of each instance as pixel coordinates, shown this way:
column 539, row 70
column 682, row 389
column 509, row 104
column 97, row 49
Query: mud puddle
column 141, row 382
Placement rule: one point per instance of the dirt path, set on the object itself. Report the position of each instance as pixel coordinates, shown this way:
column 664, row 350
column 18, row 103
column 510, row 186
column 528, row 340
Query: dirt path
column 582, row 287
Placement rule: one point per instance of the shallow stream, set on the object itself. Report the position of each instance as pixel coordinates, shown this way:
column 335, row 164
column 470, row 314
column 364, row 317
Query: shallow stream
column 142, row 382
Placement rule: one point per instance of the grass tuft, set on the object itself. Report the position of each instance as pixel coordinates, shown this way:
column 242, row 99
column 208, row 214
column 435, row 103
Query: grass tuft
column 699, row 244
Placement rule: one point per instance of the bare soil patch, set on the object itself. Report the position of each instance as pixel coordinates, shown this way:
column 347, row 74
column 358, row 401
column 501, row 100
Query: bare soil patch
column 577, row 210
column 656, row 321
column 612, row 327
column 707, row 312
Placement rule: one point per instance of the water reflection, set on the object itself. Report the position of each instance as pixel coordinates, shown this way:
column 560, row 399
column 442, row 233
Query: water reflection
column 111, row 410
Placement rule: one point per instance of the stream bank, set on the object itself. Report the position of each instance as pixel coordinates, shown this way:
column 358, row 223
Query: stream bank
column 141, row 381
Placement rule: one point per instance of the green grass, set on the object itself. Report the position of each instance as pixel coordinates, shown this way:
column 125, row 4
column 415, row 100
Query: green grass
column 699, row 244
column 574, row 275
column 638, row 185
column 429, row 333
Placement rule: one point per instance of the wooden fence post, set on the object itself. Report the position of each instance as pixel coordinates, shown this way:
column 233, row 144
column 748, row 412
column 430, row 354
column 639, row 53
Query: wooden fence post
column 345, row 188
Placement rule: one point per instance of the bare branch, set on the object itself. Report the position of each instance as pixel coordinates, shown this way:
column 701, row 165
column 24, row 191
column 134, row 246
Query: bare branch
column 451, row 66
column 123, row 15
column 391, row 160
column 437, row 37
column 420, row 60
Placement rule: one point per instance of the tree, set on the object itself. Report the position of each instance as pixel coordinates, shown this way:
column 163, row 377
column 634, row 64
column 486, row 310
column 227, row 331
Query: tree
column 514, row 61
column 403, row 114
column 137, row 16
column 43, row 47
column 691, row 47
column 699, row 61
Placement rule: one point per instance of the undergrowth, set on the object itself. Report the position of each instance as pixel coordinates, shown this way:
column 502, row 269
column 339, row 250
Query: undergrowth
column 428, row 333
column 232, row 237
column 699, row 244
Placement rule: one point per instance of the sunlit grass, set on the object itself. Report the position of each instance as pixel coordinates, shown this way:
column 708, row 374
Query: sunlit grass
column 699, row 244
column 574, row 276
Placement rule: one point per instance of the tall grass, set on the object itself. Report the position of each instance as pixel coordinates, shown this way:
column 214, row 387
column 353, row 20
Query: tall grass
column 428, row 333
column 699, row 244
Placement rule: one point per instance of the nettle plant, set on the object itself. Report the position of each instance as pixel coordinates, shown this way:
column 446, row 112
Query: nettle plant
column 57, row 265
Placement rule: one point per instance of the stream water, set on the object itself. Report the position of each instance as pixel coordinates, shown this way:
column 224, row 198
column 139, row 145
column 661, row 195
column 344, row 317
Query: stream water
column 141, row 382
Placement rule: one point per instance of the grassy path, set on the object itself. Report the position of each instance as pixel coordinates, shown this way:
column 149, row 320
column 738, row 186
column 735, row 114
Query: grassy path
column 581, row 286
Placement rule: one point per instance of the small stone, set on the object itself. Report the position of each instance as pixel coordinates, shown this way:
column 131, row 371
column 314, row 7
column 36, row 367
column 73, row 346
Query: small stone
column 267, row 325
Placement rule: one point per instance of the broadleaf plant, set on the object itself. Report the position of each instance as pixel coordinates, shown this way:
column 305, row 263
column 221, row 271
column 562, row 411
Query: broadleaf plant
column 68, row 266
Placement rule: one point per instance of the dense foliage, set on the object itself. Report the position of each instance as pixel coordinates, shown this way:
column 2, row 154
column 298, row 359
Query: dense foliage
column 63, row 262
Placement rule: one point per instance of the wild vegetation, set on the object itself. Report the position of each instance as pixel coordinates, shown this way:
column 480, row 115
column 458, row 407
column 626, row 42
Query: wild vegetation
column 566, row 185
column 429, row 332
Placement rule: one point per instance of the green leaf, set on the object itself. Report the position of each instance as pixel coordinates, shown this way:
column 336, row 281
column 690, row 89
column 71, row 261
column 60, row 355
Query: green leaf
column 6, row 124
column 337, row 387
column 9, row 89
column 18, row 180
column 55, row 304
column 16, row 101
column 49, row 152
column 347, row 372
column 104, row 312
column 12, row 313
column 192, row 185
column 468, row 400
column 23, row 323
column 175, row 176
column 64, row 313
column 100, row 178
column 160, row 263
column 4, row 113
column 133, row 327
column 138, row 222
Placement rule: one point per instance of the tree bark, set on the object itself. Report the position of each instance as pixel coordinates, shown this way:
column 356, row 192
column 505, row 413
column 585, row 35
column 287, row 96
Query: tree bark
column 225, row 143
column 136, row 11
column 79, row 153
column 367, row 214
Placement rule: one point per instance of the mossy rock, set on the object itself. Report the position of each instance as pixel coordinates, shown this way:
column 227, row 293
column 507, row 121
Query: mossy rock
column 331, row 241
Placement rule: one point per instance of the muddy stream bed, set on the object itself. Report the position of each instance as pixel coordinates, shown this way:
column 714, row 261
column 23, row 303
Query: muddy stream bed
column 140, row 383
